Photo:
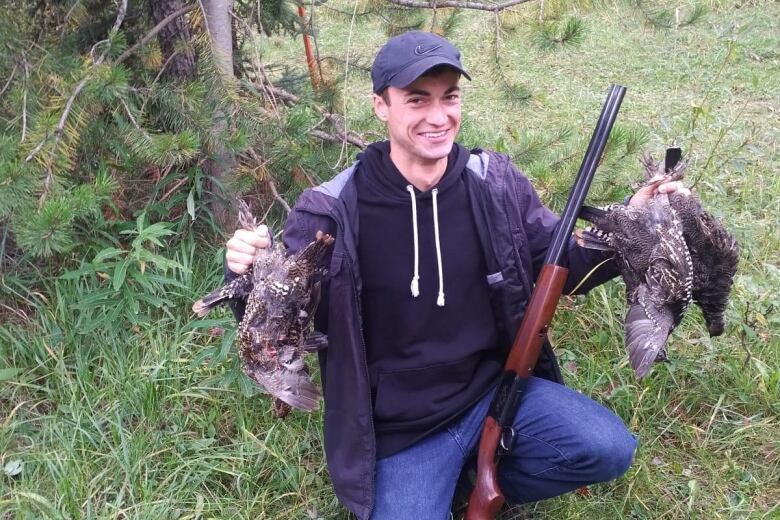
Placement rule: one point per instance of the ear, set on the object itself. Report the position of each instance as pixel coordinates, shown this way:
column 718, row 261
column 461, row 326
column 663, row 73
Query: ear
column 380, row 108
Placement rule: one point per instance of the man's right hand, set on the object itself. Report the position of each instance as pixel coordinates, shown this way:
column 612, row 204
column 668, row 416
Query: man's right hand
column 241, row 248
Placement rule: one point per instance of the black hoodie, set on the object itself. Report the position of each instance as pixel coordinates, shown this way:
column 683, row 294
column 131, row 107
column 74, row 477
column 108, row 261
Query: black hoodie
column 427, row 362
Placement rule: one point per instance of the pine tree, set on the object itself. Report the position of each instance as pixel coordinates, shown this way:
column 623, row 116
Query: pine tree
column 111, row 109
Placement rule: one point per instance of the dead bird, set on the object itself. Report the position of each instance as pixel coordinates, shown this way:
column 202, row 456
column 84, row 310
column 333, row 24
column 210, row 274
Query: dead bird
column 655, row 262
column 282, row 293
column 713, row 253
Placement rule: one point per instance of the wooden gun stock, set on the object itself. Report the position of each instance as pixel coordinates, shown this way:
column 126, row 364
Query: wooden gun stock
column 486, row 498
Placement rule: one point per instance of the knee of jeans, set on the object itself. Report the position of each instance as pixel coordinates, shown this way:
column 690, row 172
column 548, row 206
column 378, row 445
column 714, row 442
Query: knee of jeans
column 607, row 456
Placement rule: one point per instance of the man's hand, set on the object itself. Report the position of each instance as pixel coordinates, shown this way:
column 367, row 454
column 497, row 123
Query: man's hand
column 643, row 195
column 241, row 248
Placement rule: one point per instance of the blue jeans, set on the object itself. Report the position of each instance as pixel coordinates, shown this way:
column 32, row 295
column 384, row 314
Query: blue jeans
column 564, row 441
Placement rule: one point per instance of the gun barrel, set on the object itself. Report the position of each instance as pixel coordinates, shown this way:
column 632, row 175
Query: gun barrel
column 497, row 434
column 585, row 175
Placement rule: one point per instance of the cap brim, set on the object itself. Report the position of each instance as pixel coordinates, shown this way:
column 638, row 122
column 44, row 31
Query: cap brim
column 407, row 76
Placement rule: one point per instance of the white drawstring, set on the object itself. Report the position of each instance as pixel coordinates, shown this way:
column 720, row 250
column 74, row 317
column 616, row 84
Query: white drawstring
column 440, row 299
column 416, row 277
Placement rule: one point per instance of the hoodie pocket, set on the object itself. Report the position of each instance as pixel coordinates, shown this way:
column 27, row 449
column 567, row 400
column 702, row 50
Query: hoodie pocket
column 412, row 397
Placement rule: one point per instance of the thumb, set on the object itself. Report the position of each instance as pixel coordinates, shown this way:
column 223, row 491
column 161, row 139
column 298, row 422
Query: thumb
column 262, row 231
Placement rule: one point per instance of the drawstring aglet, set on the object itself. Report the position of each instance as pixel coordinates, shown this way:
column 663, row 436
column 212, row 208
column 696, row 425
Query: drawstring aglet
column 416, row 286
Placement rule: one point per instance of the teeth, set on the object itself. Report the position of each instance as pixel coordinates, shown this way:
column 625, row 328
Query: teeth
column 434, row 134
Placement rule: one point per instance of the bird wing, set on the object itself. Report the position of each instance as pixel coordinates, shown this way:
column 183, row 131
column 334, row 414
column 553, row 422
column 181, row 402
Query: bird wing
column 238, row 288
column 647, row 328
column 294, row 388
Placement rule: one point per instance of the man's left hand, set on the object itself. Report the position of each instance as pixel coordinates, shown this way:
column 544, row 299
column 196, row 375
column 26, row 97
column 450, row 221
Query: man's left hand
column 643, row 195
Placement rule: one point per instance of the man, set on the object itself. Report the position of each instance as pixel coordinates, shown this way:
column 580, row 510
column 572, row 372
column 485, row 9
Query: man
column 436, row 251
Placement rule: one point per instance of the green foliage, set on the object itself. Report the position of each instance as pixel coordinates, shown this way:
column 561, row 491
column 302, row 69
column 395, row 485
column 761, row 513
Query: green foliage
column 399, row 21
column 135, row 279
column 552, row 34
column 679, row 16
column 453, row 20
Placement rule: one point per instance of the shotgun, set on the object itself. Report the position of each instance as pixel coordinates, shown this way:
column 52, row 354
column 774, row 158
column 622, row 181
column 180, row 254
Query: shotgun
column 497, row 433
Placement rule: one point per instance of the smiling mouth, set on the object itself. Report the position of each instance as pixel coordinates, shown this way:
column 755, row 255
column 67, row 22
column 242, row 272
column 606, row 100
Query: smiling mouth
column 434, row 135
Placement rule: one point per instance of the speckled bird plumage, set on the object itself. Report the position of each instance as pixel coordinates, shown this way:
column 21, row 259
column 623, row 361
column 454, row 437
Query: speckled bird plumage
column 282, row 293
column 715, row 254
column 670, row 253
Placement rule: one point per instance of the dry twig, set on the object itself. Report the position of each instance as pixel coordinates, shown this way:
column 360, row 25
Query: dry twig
column 153, row 32
column 343, row 135
column 10, row 79
column 422, row 4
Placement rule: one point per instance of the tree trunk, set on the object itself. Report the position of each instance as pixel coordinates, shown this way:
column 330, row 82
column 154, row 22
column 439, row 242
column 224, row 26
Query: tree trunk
column 218, row 22
column 175, row 41
column 221, row 32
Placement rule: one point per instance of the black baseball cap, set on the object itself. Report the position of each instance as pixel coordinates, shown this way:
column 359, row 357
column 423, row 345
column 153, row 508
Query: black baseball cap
column 406, row 57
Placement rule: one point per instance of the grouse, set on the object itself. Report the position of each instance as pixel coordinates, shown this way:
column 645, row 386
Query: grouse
column 282, row 293
column 715, row 254
column 670, row 252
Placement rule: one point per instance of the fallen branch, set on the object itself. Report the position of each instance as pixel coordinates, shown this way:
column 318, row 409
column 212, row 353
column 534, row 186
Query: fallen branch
column 421, row 4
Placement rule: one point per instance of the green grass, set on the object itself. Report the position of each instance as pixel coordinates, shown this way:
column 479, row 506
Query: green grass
column 150, row 421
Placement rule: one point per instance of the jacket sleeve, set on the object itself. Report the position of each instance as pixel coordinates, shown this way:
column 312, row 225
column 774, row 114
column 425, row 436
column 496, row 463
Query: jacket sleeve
column 539, row 223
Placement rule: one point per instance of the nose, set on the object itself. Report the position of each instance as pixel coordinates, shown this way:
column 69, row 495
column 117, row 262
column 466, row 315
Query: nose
column 437, row 115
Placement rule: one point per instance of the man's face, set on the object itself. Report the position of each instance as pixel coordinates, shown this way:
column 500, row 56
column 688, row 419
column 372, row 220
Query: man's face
column 422, row 119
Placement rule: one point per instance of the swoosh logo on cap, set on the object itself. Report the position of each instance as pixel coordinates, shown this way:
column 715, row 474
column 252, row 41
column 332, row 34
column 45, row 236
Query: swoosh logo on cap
column 420, row 50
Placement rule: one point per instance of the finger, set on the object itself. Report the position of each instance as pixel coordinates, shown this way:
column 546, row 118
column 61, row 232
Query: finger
column 240, row 246
column 671, row 187
column 237, row 257
column 237, row 268
column 252, row 238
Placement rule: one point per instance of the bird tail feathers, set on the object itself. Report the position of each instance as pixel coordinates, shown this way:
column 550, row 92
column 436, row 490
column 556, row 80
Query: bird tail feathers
column 645, row 336
column 591, row 238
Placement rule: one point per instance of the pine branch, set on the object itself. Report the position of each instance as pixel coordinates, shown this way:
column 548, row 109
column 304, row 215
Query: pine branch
column 271, row 184
column 69, row 106
column 343, row 135
column 421, row 4
column 24, row 98
column 67, row 17
column 120, row 16
column 61, row 124
column 258, row 65
column 151, row 34
column 130, row 115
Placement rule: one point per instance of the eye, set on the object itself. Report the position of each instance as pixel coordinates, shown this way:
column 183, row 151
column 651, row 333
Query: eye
column 414, row 100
